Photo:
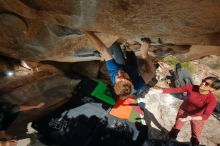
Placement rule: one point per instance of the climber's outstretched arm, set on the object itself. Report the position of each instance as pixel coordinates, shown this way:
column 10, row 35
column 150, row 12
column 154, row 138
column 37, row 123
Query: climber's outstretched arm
column 149, row 64
column 100, row 46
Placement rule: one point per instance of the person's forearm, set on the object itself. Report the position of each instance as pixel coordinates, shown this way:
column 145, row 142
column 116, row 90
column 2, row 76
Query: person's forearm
column 196, row 117
column 144, row 50
column 100, row 46
column 177, row 90
column 150, row 70
column 26, row 108
column 149, row 64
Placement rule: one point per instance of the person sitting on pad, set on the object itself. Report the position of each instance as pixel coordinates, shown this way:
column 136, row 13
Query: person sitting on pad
column 8, row 113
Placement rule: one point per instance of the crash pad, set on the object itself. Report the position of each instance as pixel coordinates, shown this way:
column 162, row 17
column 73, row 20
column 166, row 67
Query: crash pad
column 97, row 89
column 126, row 109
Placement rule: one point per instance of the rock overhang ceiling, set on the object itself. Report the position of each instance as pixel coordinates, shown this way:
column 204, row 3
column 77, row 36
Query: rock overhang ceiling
column 49, row 30
column 39, row 30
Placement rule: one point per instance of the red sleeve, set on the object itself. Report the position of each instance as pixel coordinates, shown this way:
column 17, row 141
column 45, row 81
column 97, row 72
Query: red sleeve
column 177, row 90
column 210, row 107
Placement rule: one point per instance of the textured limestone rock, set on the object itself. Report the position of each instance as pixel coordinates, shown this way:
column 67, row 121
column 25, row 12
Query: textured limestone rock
column 36, row 30
column 198, row 51
column 87, row 69
column 49, row 30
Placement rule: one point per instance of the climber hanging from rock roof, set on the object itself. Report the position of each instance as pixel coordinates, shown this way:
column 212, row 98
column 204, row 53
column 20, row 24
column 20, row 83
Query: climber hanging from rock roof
column 124, row 73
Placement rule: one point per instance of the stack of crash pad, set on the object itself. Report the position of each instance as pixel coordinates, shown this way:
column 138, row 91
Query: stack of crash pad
column 98, row 89
column 85, row 119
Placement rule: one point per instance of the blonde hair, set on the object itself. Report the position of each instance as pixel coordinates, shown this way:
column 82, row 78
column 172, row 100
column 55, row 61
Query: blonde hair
column 123, row 88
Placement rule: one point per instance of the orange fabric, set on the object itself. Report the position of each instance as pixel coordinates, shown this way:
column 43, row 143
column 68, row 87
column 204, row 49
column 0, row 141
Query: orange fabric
column 135, row 107
column 122, row 108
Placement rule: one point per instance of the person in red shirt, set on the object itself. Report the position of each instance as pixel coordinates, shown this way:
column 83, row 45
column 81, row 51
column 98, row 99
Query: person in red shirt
column 196, row 107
